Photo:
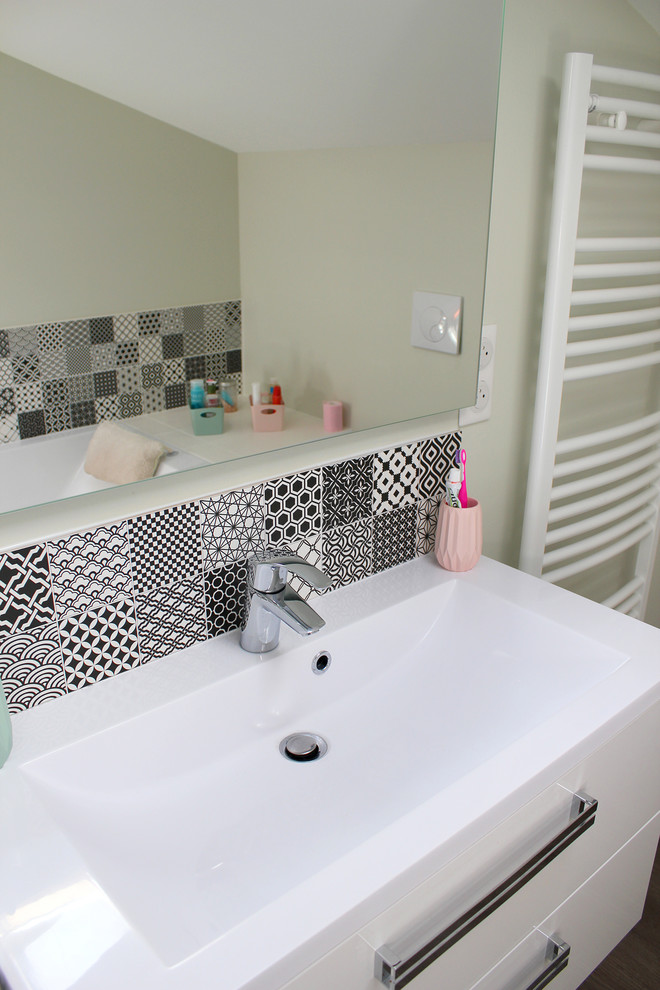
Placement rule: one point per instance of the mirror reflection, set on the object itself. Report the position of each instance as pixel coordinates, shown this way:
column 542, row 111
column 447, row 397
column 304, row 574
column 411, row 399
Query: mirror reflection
column 261, row 227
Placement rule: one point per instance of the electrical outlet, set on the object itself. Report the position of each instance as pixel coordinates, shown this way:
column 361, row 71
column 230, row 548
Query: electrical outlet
column 481, row 410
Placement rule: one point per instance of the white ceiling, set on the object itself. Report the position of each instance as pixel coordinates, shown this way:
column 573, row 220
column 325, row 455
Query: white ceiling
column 258, row 75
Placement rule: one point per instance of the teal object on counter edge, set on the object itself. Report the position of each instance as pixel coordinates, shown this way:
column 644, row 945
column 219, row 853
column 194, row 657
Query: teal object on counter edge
column 5, row 728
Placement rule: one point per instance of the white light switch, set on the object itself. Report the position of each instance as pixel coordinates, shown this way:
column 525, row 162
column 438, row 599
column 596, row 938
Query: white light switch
column 436, row 322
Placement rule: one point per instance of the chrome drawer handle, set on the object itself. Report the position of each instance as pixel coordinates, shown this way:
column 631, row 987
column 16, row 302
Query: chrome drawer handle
column 400, row 961
column 557, row 959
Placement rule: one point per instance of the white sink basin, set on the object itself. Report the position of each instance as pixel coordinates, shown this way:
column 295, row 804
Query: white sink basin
column 445, row 695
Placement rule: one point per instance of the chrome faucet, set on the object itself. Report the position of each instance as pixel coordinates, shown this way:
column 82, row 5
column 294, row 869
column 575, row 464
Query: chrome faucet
column 270, row 600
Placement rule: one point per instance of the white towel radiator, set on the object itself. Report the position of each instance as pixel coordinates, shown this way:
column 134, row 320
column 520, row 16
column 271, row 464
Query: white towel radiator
column 593, row 496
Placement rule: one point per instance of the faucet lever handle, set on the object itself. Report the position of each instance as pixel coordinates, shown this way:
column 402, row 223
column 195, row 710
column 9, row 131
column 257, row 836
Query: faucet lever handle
column 269, row 574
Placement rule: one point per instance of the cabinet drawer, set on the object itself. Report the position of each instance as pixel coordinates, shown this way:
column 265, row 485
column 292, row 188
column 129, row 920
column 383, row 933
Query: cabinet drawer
column 628, row 796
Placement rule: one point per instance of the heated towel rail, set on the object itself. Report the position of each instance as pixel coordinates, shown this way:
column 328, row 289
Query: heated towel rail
column 591, row 510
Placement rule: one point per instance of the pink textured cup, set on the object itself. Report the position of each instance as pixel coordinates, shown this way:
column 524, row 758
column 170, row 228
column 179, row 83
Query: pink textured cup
column 458, row 538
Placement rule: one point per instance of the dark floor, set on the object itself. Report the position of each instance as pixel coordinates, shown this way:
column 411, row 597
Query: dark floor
column 635, row 963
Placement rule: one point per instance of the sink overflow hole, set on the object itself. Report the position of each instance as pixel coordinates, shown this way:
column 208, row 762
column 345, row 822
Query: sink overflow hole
column 321, row 662
column 303, row 747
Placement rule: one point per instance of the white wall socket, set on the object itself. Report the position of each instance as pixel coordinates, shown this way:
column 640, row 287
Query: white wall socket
column 481, row 410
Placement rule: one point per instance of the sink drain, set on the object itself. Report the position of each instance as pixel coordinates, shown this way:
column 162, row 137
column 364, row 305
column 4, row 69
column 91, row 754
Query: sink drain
column 303, row 747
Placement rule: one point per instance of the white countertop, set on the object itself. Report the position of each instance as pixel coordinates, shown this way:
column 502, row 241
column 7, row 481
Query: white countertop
column 58, row 928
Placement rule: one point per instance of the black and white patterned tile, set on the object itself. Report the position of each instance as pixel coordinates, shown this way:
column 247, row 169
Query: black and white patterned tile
column 81, row 388
column 90, row 569
column 225, row 590
column 232, row 526
column 293, row 507
column 170, row 619
column 152, row 376
column 31, row 668
column 394, row 537
column 193, row 330
column 215, row 335
column 26, row 597
column 99, row 643
column 78, row 360
column 76, row 334
column 7, row 402
column 171, row 321
column 25, row 368
column 22, row 340
column 101, row 330
column 396, row 472
column 50, row 336
column 151, row 349
column 172, row 347
column 32, row 423
column 165, row 546
column 347, row 491
column 83, row 413
column 126, row 326
column 130, row 404
column 427, row 521
column 148, row 323
column 29, row 396
column 9, row 428
column 52, row 364
column 58, row 418
column 436, row 456
column 347, row 552
column 6, row 373
column 4, row 345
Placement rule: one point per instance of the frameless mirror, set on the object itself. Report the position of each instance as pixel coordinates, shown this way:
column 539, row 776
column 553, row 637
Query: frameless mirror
column 319, row 162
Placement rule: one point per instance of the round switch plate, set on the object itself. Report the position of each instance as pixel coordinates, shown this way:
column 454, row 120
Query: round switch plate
column 436, row 322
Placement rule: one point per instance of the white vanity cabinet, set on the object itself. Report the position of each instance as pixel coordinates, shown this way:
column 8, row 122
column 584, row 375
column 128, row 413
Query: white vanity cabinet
column 586, row 895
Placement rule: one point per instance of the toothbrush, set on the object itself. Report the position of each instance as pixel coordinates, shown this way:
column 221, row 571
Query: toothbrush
column 462, row 495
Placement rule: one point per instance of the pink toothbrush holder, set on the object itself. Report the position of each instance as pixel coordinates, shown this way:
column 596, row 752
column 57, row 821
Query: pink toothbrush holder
column 458, row 537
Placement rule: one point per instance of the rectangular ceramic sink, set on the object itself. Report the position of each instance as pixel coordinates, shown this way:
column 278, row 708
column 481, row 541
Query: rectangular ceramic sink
column 190, row 818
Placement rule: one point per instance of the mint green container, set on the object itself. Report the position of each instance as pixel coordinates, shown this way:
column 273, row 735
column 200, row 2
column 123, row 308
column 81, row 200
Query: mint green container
column 207, row 421
column 5, row 728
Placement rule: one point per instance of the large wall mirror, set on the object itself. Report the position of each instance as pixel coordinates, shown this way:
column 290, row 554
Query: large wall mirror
column 320, row 162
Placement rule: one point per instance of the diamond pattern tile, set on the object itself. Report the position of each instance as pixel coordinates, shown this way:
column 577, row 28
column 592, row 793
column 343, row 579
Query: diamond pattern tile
column 50, row 336
column 171, row 618
column 31, row 668
column 6, row 373
column 171, row 321
column 78, row 360
column 395, row 477
column 126, row 326
column 130, row 404
column 436, row 456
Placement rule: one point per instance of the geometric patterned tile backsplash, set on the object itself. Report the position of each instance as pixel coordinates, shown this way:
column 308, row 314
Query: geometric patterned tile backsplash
column 90, row 605
column 57, row 376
